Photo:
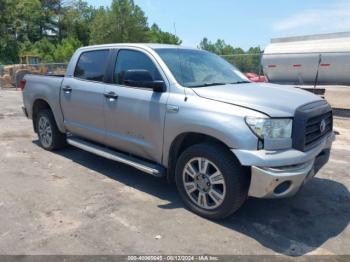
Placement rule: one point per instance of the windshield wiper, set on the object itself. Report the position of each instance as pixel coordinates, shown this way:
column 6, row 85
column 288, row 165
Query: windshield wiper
column 240, row 82
column 209, row 84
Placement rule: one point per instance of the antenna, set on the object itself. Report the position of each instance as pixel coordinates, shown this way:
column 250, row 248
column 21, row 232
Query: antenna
column 175, row 33
column 318, row 68
column 174, row 24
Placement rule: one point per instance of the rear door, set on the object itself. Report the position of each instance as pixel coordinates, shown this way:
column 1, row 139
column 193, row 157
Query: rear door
column 135, row 117
column 82, row 99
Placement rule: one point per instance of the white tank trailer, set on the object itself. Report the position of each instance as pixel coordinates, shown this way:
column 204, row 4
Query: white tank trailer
column 322, row 59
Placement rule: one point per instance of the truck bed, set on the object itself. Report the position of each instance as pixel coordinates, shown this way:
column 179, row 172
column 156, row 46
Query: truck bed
column 45, row 87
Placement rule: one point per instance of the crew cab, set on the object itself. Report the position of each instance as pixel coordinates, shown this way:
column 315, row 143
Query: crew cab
column 187, row 115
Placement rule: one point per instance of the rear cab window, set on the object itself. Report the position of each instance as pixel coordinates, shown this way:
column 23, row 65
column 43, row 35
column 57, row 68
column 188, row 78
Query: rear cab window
column 92, row 65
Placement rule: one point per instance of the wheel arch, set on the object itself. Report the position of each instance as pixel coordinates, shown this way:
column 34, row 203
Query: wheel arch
column 40, row 104
column 181, row 143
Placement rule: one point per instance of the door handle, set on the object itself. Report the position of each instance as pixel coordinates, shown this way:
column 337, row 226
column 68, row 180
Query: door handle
column 67, row 89
column 111, row 94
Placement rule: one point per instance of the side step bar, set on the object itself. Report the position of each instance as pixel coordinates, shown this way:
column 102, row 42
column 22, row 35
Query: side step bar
column 142, row 165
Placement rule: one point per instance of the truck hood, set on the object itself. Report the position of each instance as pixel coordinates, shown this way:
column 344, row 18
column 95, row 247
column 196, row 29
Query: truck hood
column 273, row 100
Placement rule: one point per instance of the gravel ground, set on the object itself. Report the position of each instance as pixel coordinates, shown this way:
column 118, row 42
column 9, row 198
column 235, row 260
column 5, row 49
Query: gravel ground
column 338, row 96
column 72, row 202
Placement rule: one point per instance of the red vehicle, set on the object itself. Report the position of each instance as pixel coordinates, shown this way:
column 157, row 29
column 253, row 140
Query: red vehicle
column 256, row 78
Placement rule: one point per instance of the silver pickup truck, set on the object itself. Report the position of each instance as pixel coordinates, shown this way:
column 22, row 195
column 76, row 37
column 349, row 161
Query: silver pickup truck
column 187, row 115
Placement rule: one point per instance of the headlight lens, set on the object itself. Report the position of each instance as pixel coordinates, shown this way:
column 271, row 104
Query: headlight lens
column 270, row 127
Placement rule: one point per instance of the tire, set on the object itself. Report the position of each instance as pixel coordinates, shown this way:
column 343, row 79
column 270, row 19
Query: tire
column 231, row 187
column 50, row 137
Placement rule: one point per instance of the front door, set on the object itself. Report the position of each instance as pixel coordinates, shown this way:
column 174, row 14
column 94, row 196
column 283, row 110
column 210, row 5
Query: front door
column 82, row 96
column 135, row 116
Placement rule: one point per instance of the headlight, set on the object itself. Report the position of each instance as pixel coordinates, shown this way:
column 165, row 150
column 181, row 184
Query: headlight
column 270, row 127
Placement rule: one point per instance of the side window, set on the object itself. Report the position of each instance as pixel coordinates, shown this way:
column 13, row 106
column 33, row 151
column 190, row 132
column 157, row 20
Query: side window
column 133, row 60
column 92, row 65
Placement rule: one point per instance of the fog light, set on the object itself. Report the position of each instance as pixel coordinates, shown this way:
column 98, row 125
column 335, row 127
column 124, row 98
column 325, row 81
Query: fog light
column 283, row 187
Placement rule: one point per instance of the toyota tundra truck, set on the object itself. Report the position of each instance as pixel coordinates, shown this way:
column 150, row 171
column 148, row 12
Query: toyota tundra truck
column 186, row 115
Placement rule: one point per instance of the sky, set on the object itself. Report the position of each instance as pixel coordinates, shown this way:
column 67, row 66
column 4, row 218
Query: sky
column 244, row 23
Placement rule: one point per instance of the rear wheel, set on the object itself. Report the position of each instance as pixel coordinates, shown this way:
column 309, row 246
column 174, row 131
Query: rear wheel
column 49, row 136
column 211, row 182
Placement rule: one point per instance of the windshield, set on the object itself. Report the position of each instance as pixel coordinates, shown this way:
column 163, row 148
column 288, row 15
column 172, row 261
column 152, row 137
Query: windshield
column 197, row 68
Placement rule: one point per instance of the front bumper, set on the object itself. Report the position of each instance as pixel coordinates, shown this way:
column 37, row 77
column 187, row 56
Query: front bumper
column 281, row 173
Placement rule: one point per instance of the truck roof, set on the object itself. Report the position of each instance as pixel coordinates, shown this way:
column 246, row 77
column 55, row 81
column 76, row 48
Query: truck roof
column 141, row 45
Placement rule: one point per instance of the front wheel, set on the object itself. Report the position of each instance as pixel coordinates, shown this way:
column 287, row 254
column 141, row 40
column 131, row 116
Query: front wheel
column 211, row 181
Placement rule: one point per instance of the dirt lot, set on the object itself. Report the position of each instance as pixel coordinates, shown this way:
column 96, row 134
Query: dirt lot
column 338, row 96
column 72, row 202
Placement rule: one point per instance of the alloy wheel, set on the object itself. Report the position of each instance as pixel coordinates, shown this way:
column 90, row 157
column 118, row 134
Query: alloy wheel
column 204, row 183
column 45, row 131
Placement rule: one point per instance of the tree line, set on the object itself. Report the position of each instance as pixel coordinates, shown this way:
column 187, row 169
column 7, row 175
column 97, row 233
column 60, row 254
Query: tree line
column 246, row 61
column 54, row 29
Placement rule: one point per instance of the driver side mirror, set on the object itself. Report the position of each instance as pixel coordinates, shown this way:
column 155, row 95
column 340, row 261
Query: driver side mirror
column 143, row 78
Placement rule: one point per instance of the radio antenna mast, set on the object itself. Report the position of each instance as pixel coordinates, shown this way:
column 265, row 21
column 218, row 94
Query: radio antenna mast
column 175, row 29
column 175, row 33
